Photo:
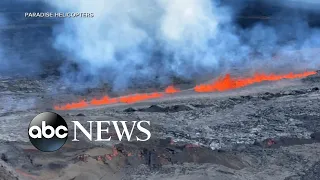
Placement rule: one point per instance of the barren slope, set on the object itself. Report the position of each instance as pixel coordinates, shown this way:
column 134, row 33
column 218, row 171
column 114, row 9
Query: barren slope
column 265, row 131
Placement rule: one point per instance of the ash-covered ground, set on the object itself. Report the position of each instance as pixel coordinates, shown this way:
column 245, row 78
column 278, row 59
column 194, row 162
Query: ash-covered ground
column 264, row 131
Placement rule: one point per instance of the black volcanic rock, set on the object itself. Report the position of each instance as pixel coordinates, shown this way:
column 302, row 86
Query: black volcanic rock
column 153, row 108
column 315, row 136
column 177, row 108
column 129, row 110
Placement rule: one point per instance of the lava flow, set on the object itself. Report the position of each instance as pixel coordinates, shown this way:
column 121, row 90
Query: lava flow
column 133, row 98
column 171, row 90
column 227, row 82
column 222, row 84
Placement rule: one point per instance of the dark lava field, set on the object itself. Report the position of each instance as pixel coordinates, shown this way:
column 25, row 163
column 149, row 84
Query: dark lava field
column 264, row 131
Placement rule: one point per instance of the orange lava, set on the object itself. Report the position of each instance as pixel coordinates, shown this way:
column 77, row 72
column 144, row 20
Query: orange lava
column 139, row 97
column 75, row 105
column 103, row 101
column 108, row 156
column 171, row 90
column 228, row 83
column 114, row 151
column 129, row 99
column 222, row 84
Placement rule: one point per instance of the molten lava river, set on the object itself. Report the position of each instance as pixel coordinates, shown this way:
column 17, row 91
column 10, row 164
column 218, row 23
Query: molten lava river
column 224, row 83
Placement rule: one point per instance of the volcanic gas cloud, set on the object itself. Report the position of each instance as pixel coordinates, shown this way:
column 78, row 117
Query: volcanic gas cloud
column 129, row 44
column 139, row 42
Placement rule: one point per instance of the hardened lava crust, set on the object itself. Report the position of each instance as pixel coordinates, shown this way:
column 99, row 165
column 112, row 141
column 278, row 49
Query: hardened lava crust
column 263, row 131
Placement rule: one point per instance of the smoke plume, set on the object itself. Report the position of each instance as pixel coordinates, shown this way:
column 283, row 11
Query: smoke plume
column 139, row 42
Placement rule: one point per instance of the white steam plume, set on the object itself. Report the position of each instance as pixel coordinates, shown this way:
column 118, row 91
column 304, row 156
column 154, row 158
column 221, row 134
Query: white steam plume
column 119, row 44
column 139, row 40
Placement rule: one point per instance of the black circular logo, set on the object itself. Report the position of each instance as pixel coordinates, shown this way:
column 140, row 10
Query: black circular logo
column 48, row 132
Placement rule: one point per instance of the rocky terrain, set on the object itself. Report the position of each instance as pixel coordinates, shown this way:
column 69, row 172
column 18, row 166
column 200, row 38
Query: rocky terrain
column 264, row 131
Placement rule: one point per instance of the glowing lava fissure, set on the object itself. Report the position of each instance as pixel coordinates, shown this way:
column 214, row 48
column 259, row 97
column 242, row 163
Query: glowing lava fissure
column 228, row 83
column 129, row 99
column 222, row 84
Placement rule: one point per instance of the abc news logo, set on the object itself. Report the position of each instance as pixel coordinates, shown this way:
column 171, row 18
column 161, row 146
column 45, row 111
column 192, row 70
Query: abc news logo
column 48, row 131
